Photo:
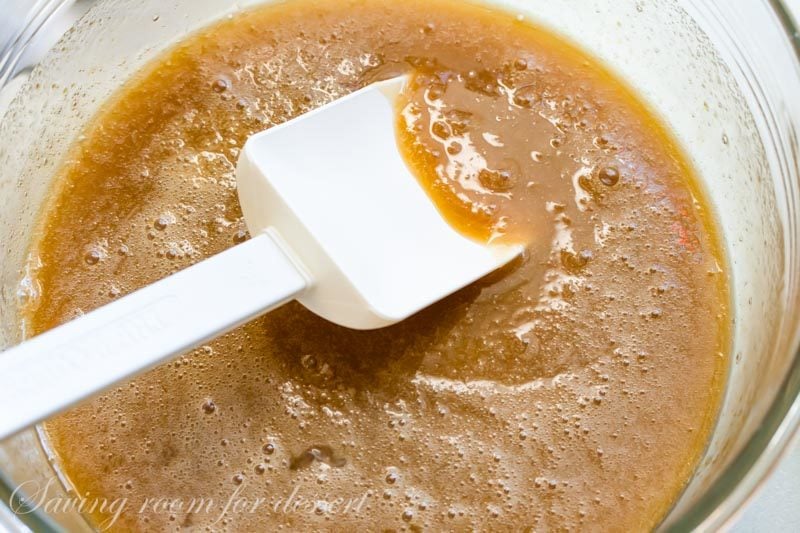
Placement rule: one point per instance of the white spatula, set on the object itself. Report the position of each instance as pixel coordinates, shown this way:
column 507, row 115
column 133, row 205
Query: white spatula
column 338, row 223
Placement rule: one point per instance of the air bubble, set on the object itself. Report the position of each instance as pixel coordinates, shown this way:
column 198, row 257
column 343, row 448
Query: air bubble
column 441, row 130
column 527, row 96
column 240, row 236
column 574, row 262
column 163, row 221
column 497, row 180
column 93, row 257
column 455, row 148
column 221, row 85
column 609, row 176
column 435, row 92
column 209, row 407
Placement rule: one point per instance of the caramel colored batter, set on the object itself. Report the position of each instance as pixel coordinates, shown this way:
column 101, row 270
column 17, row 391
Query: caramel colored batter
column 575, row 389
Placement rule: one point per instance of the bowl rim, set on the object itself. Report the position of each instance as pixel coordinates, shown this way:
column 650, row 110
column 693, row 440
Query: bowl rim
column 739, row 484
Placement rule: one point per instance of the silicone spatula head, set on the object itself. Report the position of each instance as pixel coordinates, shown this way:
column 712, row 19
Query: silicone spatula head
column 338, row 222
column 335, row 187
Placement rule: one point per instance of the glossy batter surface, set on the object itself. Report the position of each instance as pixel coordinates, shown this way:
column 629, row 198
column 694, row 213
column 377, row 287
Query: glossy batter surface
column 575, row 389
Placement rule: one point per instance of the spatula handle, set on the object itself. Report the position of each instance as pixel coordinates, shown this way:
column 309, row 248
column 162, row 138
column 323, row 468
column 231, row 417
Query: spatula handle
column 57, row 369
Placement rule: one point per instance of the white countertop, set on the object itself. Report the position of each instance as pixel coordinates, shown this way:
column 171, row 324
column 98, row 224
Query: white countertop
column 776, row 508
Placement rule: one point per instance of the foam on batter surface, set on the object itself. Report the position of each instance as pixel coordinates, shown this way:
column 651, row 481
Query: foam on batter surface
column 574, row 389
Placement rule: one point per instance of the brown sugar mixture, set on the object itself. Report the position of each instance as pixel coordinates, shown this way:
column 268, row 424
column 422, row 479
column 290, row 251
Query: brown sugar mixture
column 576, row 389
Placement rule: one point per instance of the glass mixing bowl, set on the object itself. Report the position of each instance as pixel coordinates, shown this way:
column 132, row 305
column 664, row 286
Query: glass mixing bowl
column 725, row 76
